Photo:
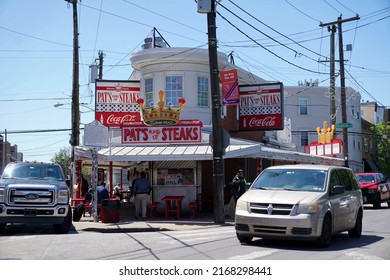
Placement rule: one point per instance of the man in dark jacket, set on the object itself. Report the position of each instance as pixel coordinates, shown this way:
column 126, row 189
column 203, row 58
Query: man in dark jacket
column 141, row 191
column 238, row 183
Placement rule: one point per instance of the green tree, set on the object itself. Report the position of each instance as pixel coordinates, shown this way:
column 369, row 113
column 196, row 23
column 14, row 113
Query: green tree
column 381, row 134
column 63, row 158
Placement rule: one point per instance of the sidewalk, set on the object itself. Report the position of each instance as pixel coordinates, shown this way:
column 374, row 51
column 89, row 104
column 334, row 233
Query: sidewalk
column 128, row 223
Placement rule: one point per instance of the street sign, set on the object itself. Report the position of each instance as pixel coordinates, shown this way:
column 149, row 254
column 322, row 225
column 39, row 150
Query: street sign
column 96, row 135
column 344, row 125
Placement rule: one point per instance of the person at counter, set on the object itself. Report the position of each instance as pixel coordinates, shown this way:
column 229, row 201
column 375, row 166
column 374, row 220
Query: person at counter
column 117, row 192
column 141, row 191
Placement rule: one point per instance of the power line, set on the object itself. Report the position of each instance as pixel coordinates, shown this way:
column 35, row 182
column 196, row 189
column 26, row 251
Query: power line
column 35, row 131
column 33, row 37
column 302, row 12
column 34, row 99
column 276, row 55
column 273, row 30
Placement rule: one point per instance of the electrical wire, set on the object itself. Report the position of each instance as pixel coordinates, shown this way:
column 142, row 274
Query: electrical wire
column 33, row 37
column 345, row 6
column 302, row 12
column 268, row 50
column 139, row 23
column 168, row 18
column 332, row 7
column 273, row 30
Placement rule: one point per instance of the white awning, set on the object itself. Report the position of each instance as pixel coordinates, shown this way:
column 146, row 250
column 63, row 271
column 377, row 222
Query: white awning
column 162, row 153
column 281, row 154
column 238, row 148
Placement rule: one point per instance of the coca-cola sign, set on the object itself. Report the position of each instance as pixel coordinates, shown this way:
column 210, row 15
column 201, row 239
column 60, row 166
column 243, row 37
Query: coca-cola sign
column 117, row 118
column 261, row 107
column 116, row 102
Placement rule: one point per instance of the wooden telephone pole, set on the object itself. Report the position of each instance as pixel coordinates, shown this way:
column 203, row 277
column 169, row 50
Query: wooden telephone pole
column 208, row 6
column 75, row 136
column 339, row 23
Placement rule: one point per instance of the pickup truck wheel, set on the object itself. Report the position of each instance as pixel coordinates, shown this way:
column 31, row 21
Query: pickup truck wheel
column 66, row 224
column 243, row 239
column 326, row 233
column 356, row 232
column 377, row 202
column 2, row 228
column 388, row 203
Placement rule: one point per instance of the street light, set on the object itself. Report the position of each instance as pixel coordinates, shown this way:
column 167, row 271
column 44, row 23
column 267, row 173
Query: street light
column 81, row 104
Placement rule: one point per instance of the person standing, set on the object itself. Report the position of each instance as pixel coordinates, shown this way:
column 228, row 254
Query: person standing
column 239, row 184
column 102, row 193
column 141, row 191
column 117, row 192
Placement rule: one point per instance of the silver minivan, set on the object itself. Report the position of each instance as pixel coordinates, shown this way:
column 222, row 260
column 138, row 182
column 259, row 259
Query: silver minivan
column 303, row 202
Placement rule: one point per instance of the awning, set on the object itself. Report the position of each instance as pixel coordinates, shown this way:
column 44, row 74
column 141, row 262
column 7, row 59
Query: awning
column 163, row 152
column 282, row 154
column 238, row 148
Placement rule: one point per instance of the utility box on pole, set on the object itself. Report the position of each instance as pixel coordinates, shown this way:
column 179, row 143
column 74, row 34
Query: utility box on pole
column 204, row 6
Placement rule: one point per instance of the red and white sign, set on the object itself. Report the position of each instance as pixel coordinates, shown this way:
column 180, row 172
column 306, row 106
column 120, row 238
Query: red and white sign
column 329, row 149
column 186, row 131
column 261, row 107
column 116, row 102
column 229, row 80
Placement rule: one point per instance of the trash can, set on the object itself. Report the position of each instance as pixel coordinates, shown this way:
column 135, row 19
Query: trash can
column 110, row 212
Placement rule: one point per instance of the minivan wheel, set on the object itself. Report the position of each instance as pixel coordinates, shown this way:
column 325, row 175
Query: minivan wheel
column 244, row 239
column 356, row 232
column 326, row 233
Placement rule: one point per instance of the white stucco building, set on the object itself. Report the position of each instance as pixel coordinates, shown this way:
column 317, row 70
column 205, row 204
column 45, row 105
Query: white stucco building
column 308, row 106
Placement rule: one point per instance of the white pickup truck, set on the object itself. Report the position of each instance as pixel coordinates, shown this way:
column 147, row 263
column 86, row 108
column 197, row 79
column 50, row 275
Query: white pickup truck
column 34, row 193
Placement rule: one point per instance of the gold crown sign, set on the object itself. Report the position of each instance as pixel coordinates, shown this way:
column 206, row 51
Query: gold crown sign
column 325, row 135
column 161, row 115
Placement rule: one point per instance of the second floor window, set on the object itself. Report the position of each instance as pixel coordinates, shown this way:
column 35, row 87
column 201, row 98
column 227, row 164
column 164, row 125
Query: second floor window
column 173, row 89
column 148, row 91
column 203, row 92
column 365, row 144
column 303, row 109
column 304, row 138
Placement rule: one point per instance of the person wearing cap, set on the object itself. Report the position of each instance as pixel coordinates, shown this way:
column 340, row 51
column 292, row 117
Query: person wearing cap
column 238, row 184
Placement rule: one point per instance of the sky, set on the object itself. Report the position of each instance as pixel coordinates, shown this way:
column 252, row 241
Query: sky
column 278, row 40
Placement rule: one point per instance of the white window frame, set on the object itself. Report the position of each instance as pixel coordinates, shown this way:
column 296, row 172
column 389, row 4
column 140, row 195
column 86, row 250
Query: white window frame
column 304, row 138
column 203, row 92
column 173, row 89
column 301, row 107
column 148, row 91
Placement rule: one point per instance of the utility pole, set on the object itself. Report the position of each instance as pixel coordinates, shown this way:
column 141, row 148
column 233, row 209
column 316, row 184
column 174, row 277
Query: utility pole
column 101, row 55
column 218, row 165
column 4, row 152
column 339, row 23
column 75, row 136
column 332, row 30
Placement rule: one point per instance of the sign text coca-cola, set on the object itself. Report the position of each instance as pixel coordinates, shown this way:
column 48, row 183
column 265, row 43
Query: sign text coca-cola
column 116, row 102
column 261, row 107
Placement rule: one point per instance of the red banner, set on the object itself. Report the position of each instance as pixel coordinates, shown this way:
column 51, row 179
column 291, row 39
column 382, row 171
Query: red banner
column 230, row 93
